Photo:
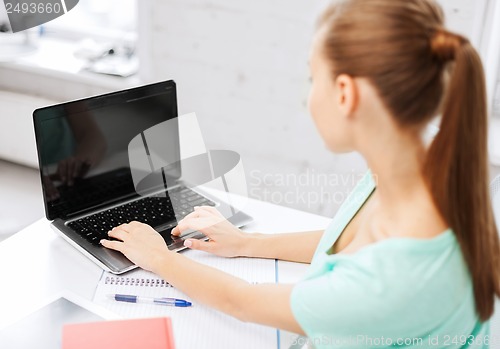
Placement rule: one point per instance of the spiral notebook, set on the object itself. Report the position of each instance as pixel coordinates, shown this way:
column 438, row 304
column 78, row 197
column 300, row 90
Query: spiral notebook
column 211, row 328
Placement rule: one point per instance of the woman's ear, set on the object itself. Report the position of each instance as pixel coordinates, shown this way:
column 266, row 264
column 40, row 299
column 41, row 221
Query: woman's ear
column 347, row 94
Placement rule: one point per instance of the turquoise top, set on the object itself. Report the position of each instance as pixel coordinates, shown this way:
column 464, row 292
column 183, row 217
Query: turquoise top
column 398, row 292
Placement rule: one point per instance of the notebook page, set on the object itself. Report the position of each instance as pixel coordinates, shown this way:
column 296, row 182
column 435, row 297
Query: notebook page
column 197, row 326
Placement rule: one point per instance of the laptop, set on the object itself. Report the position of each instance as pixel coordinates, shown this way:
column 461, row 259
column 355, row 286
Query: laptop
column 87, row 178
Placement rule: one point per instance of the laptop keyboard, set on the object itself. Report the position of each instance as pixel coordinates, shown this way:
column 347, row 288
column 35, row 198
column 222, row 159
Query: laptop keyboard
column 154, row 210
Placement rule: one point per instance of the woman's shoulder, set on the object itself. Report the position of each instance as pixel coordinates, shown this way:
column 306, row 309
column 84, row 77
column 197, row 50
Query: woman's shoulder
column 404, row 268
column 387, row 281
column 407, row 257
column 412, row 269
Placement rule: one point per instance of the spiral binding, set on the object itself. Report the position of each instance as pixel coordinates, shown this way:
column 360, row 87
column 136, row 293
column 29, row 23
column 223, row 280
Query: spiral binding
column 129, row 281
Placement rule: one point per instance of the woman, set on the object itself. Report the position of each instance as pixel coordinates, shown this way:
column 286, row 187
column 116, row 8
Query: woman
column 413, row 260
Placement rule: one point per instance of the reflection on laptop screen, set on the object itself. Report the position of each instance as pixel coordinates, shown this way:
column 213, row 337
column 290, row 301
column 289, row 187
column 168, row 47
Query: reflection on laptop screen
column 82, row 146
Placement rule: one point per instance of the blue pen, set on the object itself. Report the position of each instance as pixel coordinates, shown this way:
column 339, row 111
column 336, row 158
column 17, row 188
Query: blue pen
column 174, row 302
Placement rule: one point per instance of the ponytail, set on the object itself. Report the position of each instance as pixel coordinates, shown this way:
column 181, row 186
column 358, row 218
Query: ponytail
column 403, row 50
column 457, row 167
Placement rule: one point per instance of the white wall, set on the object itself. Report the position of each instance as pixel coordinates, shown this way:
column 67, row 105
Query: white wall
column 242, row 66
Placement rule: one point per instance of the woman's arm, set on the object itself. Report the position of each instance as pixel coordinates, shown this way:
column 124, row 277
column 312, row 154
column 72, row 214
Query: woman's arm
column 228, row 241
column 267, row 304
column 293, row 247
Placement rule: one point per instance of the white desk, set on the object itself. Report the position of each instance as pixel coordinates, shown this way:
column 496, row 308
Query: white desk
column 36, row 264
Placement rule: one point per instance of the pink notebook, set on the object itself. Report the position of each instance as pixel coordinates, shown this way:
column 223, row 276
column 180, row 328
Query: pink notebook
column 153, row 333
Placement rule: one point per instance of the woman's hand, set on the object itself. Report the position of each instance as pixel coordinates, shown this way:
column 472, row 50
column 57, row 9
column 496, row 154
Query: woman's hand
column 140, row 243
column 224, row 238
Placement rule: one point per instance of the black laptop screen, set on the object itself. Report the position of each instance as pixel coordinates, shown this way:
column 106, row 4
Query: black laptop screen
column 83, row 146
